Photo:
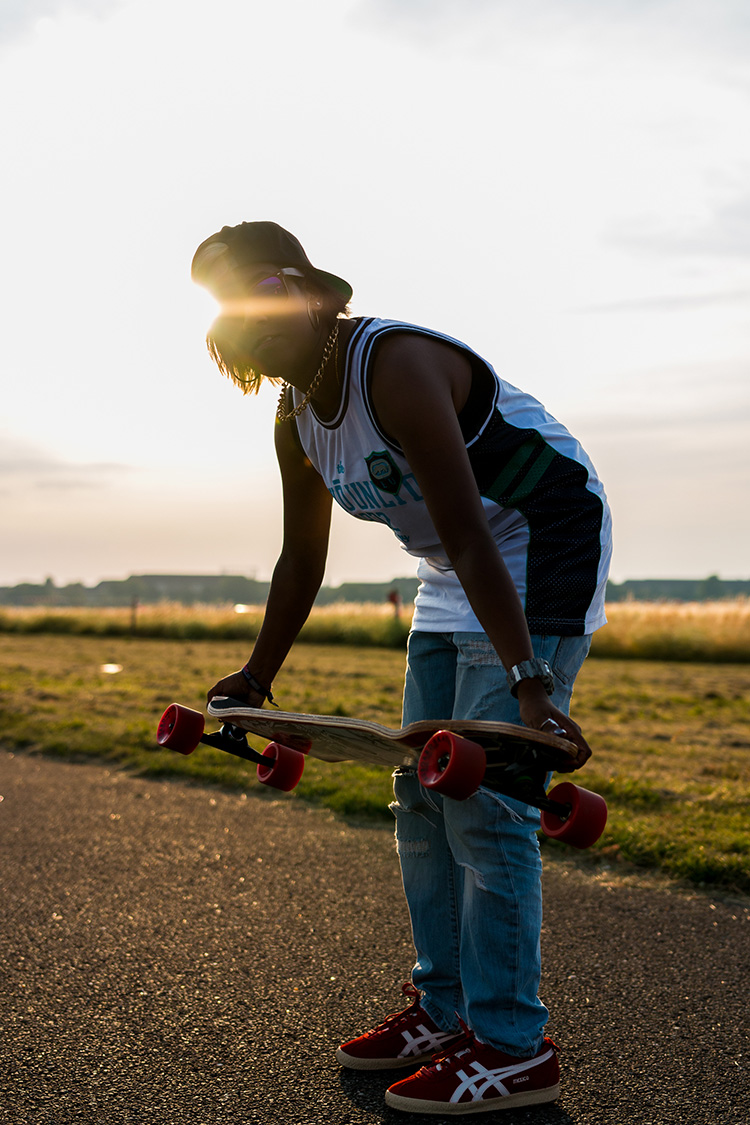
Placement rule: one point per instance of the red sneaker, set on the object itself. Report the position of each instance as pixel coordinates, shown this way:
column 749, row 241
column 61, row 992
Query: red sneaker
column 407, row 1038
column 474, row 1078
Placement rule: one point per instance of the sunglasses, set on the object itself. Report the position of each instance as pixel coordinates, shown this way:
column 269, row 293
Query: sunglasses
column 273, row 286
column 262, row 295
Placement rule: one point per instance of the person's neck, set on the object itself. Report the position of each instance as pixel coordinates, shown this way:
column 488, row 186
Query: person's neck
column 327, row 398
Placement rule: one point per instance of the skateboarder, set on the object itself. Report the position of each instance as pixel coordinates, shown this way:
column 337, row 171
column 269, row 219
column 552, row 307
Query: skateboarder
column 410, row 428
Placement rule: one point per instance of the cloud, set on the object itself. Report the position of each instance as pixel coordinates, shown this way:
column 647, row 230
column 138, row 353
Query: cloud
column 711, row 26
column 670, row 302
column 726, row 233
column 17, row 17
column 706, row 433
column 75, row 482
column 24, row 466
column 702, row 405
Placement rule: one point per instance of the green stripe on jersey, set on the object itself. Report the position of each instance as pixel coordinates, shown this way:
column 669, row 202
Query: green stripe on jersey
column 540, row 462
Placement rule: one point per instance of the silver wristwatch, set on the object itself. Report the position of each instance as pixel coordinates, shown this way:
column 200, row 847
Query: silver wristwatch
column 535, row 669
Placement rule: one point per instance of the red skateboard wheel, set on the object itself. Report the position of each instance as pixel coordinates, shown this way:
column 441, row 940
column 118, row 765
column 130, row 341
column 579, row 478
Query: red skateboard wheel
column 452, row 765
column 285, row 767
column 180, row 728
column 587, row 818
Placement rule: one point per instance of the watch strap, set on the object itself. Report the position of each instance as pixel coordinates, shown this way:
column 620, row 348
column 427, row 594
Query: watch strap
column 534, row 669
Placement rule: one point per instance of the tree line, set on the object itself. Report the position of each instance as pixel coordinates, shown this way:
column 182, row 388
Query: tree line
column 234, row 589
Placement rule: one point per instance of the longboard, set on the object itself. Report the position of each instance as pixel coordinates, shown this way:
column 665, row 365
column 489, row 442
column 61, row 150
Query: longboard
column 453, row 757
column 332, row 738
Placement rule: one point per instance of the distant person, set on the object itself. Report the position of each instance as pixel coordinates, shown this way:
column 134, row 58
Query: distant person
column 395, row 599
column 410, row 428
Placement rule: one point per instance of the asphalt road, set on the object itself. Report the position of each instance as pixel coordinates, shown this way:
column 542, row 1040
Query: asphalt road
column 176, row 955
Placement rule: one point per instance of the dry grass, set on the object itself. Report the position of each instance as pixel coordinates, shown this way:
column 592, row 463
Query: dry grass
column 695, row 631
column 344, row 623
column 702, row 631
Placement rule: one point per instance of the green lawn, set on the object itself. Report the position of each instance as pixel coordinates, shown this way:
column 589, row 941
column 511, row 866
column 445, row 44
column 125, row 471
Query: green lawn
column 670, row 741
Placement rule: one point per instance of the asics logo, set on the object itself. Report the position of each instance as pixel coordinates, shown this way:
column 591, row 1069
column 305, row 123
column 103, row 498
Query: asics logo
column 423, row 1042
column 484, row 1079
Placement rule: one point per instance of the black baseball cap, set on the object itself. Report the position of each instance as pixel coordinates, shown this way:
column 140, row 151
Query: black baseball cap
column 234, row 248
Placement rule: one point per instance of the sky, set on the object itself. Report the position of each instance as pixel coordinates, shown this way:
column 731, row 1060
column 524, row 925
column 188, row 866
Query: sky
column 562, row 184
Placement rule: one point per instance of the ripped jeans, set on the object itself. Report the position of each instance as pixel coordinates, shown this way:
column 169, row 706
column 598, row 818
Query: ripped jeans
column 471, row 869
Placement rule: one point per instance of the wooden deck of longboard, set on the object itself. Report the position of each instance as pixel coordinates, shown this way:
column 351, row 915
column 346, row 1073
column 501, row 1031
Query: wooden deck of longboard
column 336, row 738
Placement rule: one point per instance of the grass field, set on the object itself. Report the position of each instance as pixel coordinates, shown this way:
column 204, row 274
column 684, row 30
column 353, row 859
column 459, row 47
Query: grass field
column 670, row 740
column 697, row 631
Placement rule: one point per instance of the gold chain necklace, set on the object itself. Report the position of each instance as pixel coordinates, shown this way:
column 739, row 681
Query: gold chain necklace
column 331, row 342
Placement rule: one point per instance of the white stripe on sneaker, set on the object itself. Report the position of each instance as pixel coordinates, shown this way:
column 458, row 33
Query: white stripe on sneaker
column 484, row 1079
column 428, row 1040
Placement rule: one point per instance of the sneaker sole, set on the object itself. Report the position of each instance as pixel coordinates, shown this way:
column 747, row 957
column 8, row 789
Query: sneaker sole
column 510, row 1101
column 355, row 1063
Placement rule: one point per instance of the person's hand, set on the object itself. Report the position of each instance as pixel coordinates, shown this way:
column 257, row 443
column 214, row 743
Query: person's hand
column 539, row 713
column 237, row 687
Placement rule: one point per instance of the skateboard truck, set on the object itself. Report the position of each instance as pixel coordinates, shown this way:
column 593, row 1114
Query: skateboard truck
column 456, row 766
column 182, row 729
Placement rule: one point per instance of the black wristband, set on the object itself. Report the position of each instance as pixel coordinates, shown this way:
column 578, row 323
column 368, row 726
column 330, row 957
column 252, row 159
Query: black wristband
column 265, row 692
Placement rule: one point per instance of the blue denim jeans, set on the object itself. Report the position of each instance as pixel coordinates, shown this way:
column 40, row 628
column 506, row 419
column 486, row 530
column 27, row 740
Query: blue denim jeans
column 471, row 869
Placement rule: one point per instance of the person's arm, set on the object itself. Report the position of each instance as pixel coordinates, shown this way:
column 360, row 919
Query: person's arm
column 298, row 574
column 419, row 386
